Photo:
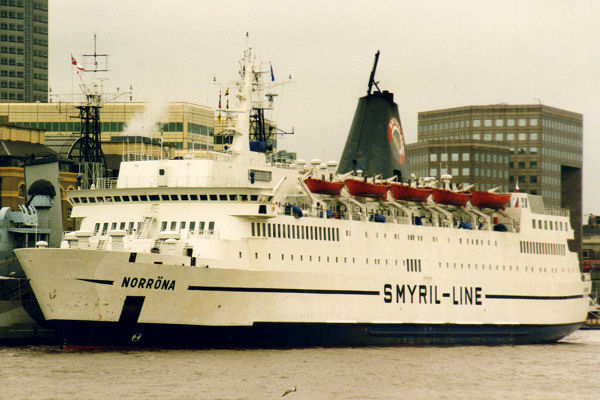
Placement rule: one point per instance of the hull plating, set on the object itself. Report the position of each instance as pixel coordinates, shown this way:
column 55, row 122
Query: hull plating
column 86, row 334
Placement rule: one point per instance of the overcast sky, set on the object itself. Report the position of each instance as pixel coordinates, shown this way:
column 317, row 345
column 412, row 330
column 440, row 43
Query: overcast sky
column 434, row 54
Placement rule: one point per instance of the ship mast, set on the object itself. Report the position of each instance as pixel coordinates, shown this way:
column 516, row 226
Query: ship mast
column 253, row 132
column 87, row 150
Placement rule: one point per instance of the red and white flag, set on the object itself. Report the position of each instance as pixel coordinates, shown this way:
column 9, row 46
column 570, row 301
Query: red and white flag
column 76, row 64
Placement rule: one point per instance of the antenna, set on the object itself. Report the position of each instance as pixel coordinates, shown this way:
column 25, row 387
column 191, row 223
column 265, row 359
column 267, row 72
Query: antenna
column 95, row 56
column 372, row 77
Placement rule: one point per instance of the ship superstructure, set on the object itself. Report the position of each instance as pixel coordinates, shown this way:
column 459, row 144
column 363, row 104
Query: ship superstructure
column 225, row 249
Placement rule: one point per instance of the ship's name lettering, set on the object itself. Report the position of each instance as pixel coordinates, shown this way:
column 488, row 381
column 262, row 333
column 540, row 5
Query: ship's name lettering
column 431, row 294
column 148, row 283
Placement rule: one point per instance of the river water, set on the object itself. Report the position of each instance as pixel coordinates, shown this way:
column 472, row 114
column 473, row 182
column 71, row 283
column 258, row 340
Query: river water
column 566, row 370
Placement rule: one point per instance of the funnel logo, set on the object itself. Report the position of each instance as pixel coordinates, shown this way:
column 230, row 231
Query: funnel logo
column 396, row 139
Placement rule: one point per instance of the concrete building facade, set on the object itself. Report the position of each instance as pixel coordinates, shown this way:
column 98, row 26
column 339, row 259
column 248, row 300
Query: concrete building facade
column 482, row 164
column 591, row 252
column 23, row 51
column 544, row 149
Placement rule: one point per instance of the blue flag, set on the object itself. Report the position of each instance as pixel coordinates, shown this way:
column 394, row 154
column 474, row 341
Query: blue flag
column 272, row 75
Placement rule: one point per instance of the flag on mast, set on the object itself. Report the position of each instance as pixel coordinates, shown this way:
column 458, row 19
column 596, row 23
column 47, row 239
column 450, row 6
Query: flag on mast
column 76, row 64
column 272, row 75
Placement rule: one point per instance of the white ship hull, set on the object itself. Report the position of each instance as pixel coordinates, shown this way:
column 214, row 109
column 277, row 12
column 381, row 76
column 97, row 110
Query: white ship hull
column 99, row 298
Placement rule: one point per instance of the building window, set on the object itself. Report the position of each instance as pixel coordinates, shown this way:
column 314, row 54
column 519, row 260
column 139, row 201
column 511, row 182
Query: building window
column 499, row 137
column 466, row 171
column 533, row 122
column 476, row 123
column 499, row 122
column 585, row 253
column 466, row 156
column 522, row 136
column 522, row 122
column 533, row 150
column 533, row 165
column 433, row 157
column 487, row 122
column 533, row 179
column 510, row 122
column 454, row 156
column 444, row 157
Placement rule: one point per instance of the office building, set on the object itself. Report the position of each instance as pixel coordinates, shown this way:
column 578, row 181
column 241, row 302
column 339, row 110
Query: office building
column 23, row 51
column 544, row 151
column 179, row 125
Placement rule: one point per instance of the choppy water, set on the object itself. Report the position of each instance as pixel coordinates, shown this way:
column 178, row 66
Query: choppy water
column 569, row 369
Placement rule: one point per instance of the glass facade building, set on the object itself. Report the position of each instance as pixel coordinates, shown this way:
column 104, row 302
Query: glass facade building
column 183, row 125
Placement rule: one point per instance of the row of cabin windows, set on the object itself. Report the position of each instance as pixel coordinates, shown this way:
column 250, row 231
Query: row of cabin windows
column 166, row 197
column 554, row 249
column 129, row 226
column 476, row 242
column 510, row 268
column 549, row 225
column 412, row 265
column 263, row 229
column 124, row 226
column 178, row 226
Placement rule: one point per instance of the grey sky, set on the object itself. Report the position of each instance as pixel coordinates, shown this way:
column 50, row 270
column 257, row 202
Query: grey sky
column 434, row 54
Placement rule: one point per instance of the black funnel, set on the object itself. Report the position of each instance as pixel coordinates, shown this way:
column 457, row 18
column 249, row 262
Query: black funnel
column 375, row 142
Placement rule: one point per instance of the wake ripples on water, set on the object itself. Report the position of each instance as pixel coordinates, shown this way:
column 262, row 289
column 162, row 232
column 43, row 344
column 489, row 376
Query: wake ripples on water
column 564, row 370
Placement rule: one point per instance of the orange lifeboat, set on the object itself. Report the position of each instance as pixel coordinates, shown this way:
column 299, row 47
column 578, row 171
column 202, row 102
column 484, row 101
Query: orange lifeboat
column 483, row 199
column 320, row 186
column 409, row 193
column 448, row 197
column 365, row 189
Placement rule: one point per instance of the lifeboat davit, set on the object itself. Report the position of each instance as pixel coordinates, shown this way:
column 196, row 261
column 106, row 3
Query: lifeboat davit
column 365, row 189
column 483, row 199
column 448, row 197
column 409, row 193
column 320, row 186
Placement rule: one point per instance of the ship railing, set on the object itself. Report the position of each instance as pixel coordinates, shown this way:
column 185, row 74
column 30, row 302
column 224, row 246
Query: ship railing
column 144, row 154
column 179, row 181
column 106, row 183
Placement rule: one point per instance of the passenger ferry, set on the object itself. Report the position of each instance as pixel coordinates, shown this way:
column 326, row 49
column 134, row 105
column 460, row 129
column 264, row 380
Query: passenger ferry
column 226, row 249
